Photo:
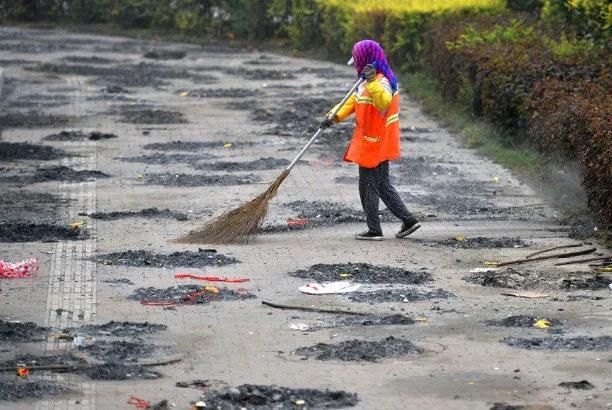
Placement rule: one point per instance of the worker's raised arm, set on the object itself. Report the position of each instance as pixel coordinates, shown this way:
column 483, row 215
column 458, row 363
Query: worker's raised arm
column 346, row 110
column 379, row 90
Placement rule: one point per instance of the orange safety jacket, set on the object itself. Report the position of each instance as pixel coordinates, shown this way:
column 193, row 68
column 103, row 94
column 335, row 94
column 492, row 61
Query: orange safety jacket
column 377, row 133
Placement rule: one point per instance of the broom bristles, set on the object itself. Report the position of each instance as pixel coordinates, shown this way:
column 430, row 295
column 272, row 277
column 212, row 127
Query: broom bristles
column 238, row 223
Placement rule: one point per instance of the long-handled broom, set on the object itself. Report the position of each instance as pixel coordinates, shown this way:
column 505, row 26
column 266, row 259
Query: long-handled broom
column 245, row 220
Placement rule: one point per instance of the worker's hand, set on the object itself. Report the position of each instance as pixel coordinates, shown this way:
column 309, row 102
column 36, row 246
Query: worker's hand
column 369, row 72
column 327, row 122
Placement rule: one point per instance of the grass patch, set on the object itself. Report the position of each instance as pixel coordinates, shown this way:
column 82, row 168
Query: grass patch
column 487, row 139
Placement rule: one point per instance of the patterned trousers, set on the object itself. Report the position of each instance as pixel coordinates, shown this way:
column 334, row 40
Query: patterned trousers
column 374, row 184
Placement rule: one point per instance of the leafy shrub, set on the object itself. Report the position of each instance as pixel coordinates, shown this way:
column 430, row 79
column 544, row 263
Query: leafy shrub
column 589, row 18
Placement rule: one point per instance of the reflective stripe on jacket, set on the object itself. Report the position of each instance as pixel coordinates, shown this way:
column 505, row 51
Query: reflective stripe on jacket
column 376, row 137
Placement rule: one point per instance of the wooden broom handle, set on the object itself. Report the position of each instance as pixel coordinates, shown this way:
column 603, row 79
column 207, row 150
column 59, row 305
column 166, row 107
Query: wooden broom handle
column 320, row 130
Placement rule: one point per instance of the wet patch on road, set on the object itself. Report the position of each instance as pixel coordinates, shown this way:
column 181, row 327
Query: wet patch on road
column 521, row 321
column 480, row 242
column 275, row 397
column 21, row 332
column 399, row 295
column 23, row 231
column 260, row 164
column 218, row 93
column 143, row 213
column 362, row 273
column 600, row 343
column 193, row 180
column 188, row 294
column 179, row 145
column 119, row 329
column 23, row 150
column 186, row 259
column 361, row 350
column 164, row 159
column 527, row 279
column 79, row 136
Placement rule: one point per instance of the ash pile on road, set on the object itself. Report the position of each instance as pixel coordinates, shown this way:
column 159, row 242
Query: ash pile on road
column 37, row 101
column 119, row 351
column 521, row 321
column 165, row 54
column 189, row 294
column 404, row 295
column 79, row 136
column 118, row 371
column 526, row 279
column 186, row 259
column 481, row 242
column 63, row 173
column 31, row 119
column 260, row 164
column 362, row 273
column 416, row 170
column 361, row 350
column 23, row 150
column 13, row 388
column 599, row 343
column 190, row 146
column 24, row 231
column 32, row 361
column 161, row 158
column 20, row 332
column 152, row 116
column 143, row 213
column 21, row 204
column 219, row 93
column 353, row 320
column 88, row 59
column 580, row 385
column 194, row 180
column 274, row 397
column 118, row 329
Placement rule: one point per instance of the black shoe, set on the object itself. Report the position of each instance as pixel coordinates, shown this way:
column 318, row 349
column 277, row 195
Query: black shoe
column 408, row 228
column 369, row 236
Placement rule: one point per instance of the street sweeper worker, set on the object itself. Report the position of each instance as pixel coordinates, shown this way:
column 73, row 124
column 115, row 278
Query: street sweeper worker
column 376, row 139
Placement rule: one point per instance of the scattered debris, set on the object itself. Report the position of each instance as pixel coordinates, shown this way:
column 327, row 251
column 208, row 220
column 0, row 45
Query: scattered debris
column 600, row 343
column 461, row 242
column 581, row 385
column 79, row 136
column 143, row 213
column 21, row 269
column 522, row 321
column 119, row 329
column 361, row 350
column 275, row 397
column 525, row 294
column 545, row 257
column 187, row 294
column 21, row 332
column 10, row 151
column 255, row 165
column 188, row 259
column 524, row 279
column 165, row 54
column 399, row 295
column 362, row 273
column 193, row 180
column 341, row 311
column 19, row 231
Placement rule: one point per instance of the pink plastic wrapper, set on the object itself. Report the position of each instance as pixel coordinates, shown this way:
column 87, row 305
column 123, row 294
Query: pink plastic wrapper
column 23, row 269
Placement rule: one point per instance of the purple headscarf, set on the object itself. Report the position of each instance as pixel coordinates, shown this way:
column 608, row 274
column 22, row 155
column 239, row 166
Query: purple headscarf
column 370, row 52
